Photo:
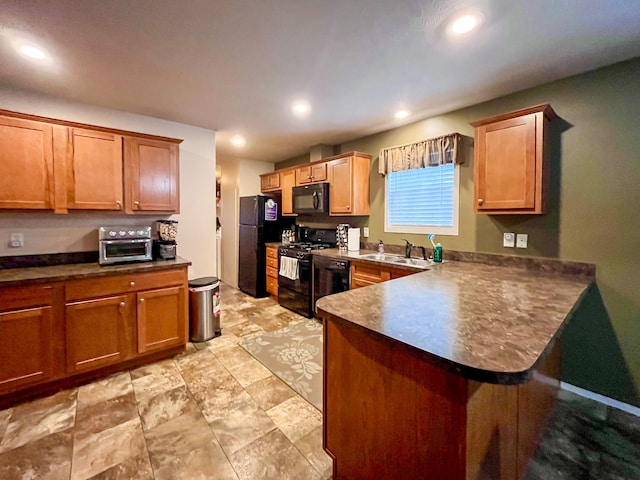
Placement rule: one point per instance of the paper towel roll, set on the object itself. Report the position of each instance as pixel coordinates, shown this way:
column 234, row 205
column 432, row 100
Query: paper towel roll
column 353, row 244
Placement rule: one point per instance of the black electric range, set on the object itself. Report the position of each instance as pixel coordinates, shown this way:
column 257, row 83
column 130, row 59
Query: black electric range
column 294, row 275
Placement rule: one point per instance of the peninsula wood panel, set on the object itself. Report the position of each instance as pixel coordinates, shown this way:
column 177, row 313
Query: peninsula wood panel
column 94, row 170
column 371, row 424
column 152, row 176
column 391, row 411
column 26, row 163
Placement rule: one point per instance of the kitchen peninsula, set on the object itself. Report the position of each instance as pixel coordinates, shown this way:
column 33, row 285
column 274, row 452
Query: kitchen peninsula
column 448, row 373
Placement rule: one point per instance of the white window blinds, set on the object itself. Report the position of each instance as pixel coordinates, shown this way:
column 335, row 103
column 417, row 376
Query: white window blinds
column 422, row 200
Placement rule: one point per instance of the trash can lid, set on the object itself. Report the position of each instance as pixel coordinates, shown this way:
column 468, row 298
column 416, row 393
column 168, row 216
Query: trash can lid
column 202, row 282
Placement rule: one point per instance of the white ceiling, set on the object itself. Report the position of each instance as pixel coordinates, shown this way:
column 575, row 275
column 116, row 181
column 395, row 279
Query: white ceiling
column 235, row 66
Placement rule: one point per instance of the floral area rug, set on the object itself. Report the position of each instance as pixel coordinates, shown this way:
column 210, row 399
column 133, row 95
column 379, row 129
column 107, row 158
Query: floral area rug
column 294, row 354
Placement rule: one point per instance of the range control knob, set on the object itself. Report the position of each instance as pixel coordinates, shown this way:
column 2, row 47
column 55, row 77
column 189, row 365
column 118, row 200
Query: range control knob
column 122, row 233
column 131, row 233
column 140, row 232
column 112, row 233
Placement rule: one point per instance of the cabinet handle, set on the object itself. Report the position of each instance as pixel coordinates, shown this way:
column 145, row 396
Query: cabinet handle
column 119, row 204
column 142, row 300
column 480, row 201
column 132, row 284
column 136, row 203
column 122, row 304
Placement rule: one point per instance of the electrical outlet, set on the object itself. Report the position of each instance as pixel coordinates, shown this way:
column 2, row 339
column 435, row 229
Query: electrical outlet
column 365, row 232
column 509, row 240
column 521, row 240
column 17, row 240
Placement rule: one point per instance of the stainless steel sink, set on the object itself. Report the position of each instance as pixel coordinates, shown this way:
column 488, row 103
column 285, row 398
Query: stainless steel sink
column 397, row 260
column 413, row 262
column 381, row 257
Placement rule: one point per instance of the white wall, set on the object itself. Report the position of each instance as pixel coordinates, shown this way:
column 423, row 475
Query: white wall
column 50, row 233
column 239, row 178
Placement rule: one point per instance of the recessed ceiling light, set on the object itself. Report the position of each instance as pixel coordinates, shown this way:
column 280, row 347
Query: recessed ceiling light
column 31, row 51
column 301, row 108
column 464, row 24
column 402, row 114
column 238, row 140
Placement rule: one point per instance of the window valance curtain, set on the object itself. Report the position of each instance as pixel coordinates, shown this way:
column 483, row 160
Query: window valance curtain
column 426, row 153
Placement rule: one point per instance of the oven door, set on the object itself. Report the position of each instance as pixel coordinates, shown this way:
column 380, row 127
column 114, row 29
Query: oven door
column 303, row 283
column 116, row 251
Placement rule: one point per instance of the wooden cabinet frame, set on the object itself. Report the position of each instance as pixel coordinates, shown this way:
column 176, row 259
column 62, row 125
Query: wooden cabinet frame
column 511, row 158
column 65, row 174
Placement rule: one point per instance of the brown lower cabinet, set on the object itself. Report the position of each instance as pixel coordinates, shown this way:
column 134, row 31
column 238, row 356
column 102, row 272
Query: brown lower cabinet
column 58, row 332
column 365, row 273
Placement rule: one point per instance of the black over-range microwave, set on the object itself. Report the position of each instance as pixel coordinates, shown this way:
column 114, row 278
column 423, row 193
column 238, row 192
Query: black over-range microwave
column 313, row 198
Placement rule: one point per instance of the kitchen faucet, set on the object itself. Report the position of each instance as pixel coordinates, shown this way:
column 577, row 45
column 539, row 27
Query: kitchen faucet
column 424, row 252
column 407, row 248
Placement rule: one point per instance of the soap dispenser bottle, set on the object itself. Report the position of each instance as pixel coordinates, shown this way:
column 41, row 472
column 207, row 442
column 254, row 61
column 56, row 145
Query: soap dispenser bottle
column 380, row 247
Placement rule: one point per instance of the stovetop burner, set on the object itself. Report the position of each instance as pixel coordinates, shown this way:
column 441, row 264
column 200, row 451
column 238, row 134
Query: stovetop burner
column 308, row 246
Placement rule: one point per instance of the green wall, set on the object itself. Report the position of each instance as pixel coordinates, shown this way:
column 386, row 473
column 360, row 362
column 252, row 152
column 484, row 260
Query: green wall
column 594, row 215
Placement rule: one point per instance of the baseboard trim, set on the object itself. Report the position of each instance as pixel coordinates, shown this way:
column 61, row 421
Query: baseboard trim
column 601, row 398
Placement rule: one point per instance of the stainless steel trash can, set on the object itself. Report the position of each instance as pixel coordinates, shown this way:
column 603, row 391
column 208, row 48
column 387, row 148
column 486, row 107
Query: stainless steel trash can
column 204, row 309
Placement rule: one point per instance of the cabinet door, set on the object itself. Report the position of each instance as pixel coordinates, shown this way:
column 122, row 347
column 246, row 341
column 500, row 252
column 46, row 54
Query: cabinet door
column 151, row 176
column 319, row 172
column 161, row 319
column 269, row 182
column 288, row 181
column 26, row 164
column 303, row 175
column 96, row 333
column 26, row 352
column 94, row 170
column 506, row 165
column 341, row 186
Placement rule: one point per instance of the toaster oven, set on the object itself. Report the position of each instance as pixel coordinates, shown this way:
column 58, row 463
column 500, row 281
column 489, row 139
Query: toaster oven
column 124, row 244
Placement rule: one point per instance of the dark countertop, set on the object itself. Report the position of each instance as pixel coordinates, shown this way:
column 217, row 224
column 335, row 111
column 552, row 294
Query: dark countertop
column 351, row 256
column 29, row 275
column 488, row 323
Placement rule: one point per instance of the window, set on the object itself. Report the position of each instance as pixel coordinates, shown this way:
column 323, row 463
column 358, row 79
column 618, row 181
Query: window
column 422, row 200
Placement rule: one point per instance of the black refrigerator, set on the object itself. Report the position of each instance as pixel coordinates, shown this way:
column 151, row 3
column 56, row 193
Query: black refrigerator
column 260, row 221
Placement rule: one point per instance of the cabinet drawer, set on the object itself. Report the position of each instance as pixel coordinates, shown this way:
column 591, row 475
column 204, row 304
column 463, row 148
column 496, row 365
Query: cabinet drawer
column 368, row 272
column 272, row 252
column 272, row 272
column 272, row 262
column 111, row 285
column 358, row 282
column 14, row 298
column 272, row 285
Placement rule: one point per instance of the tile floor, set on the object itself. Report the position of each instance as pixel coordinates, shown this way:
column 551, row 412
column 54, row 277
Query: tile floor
column 214, row 412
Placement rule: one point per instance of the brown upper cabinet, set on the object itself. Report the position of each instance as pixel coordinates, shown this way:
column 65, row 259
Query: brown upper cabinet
column 511, row 162
column 270, row 182
column 288, row 181
column 349, row 184
column 94, row 168
column 51, row 164
column 26, row 163
column 311, row 174
column 152, row 177
column 348, row 177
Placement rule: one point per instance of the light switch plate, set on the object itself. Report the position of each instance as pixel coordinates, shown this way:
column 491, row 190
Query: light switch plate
column 521, row 240
column 365, row 232
column 509, row 240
